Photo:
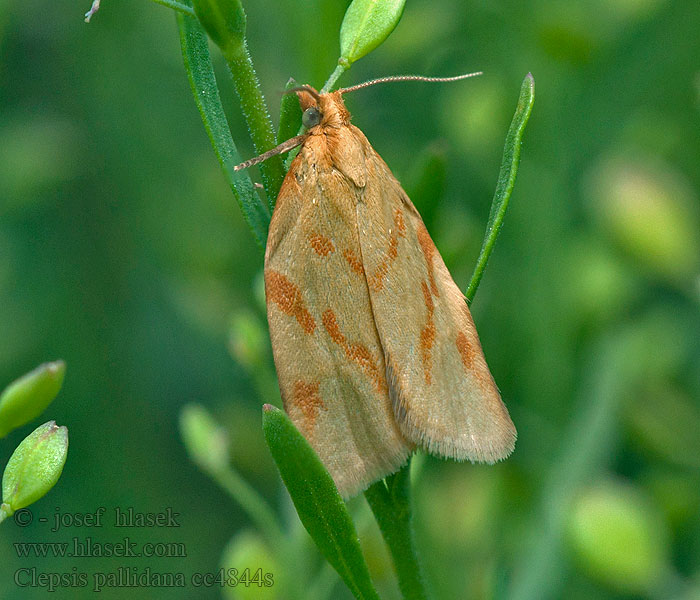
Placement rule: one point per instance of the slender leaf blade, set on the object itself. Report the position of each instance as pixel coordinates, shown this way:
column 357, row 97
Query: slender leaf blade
column 200, row 72
column 506, row 180
column 223, row 20
column 290, row 115
column 390, row 501
column 317, row 501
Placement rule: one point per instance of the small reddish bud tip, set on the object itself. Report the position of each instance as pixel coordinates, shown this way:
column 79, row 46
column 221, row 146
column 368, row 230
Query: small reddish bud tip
column 268, row 407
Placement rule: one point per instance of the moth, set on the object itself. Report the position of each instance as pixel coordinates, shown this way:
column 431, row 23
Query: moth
column 375, row 348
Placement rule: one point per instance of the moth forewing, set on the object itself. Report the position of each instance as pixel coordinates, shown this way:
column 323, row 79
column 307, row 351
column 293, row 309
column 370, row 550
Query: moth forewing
column 444, row 397
column 374, row 345
column 329, row 359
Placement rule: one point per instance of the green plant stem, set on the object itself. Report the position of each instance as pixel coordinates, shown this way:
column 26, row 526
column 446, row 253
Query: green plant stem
column 266, row 521
column 178, row 6
column 257, row 118
column 585, row 450
column 335, row 75
column 253, row 504
column 390, row 502
column 506, row 180
column 3, row 514
column 322, row 584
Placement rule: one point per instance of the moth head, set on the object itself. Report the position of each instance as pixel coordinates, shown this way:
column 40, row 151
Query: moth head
column 327, row 110
column 311, row 117
column 310, row 102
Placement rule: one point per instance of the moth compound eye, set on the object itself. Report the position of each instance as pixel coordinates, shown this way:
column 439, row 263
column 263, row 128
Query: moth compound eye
column 311, row 117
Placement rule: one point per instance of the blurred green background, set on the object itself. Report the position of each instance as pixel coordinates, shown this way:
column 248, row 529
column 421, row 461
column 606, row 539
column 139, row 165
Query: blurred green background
column 122, row 251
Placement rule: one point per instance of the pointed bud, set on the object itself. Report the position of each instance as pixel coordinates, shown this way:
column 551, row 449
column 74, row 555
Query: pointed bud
column 26, row 398
column 618, row 537
column 248, row 554
column 367, row 23
column 205, row 441
column 247, row 340
column 649, row 211
column 34, row 467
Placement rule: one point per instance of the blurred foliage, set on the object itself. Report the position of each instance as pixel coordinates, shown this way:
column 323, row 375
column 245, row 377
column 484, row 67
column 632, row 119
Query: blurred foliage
column 123, row 251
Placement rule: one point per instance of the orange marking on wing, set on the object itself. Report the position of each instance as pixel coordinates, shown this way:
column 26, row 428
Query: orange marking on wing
column 429, row 251
column 331, row 324
column 399, row 222
column 354, row 352
column 321, row 244
column 466, row 351
column 376, row 280
column 287, row 296
column 306, row 397
column 393, row 248
column 427, row 334
column 354, row 262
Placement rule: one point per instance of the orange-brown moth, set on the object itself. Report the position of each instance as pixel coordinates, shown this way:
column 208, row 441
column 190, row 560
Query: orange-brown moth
column 375, row 349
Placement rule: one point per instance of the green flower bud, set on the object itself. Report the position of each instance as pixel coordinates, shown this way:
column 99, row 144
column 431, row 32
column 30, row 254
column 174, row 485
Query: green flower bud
column 618, row 537
column 666, row 422
column 34, row 467
column 255, row 569
column 26, row 398
column 600, row 285
column 204, row 440
column 247, row 339
column 650, row 211
column 367, row 23
column 224, row 22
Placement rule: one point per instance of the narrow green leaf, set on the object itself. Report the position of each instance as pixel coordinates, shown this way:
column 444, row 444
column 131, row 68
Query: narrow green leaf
column 367, row 23
column 223, row 20
column 175, row 5
column 316, row 499
column 195, row 52
column 290, row 114
column 506, row 180
column 28, row 396
column 257, row 117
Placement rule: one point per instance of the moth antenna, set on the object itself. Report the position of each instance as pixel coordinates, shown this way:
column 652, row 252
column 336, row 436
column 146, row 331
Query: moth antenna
column 359, row 86
column 282, row 148
column 304, row 88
